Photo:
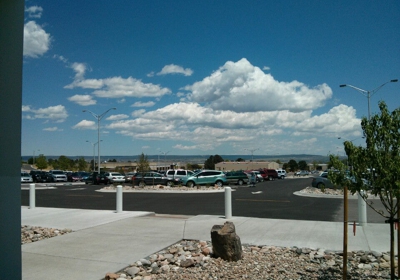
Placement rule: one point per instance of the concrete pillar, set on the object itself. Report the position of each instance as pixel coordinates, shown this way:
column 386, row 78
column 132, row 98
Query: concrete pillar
column 119, row 199
column 11, row 47
column 228, row 203
column 32, row 196
column 362, row 210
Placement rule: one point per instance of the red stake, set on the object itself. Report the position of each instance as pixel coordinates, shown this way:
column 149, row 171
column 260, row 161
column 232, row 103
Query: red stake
column 354, row 228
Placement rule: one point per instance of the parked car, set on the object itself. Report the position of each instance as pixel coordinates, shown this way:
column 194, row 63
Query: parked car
column 84, row 175
column 322, row 181
column 270, row 174
column 74, row 177
column 205, row 177
column 39, row 176
column 257, row 173
column 153, row 178
column 281, row 173
column 128, row 176
column 237, row 177
column 178, row 173
column 26, row 178
column 115, row 177
column 57, row 176
column 96, row 178
column 302, row 173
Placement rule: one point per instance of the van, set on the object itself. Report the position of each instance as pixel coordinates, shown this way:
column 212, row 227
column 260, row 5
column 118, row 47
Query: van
column 281, row 173
column 178, row 173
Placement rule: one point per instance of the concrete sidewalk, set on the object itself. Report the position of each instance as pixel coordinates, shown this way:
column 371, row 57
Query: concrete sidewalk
column 105, row 241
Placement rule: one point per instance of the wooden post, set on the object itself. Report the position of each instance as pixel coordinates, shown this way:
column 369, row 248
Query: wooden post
column 345, row 229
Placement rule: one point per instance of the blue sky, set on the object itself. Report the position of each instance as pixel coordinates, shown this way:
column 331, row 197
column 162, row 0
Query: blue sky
column 204, row 77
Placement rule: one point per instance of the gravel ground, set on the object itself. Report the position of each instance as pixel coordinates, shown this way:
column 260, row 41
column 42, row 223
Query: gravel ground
column 193, row 259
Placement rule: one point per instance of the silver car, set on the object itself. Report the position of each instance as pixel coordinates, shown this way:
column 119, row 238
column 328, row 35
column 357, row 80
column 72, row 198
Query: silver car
column 322, row 182
column 115, row 177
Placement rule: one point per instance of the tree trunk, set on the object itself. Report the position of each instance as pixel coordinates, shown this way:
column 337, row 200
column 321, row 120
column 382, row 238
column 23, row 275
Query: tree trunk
column 392, row 272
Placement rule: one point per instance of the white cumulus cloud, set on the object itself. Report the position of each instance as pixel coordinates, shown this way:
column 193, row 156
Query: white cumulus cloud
column 36, row 40
column 85, row 124
column 117, row 117
column 174, row 69
column 53, row 113
column 242, row 87
column 34, row 11
column 143, row 104
column 83, row 100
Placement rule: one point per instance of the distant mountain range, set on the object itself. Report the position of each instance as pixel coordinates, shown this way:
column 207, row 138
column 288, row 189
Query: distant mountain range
column 200, row 158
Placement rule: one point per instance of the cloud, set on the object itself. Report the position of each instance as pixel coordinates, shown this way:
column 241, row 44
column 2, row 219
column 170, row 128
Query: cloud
column 26, row 108
column 182, row 147
column 339, row 119
column 175, row 69
column 117, row 117
column 36, row 40
column 266, row 68
column 54, row 113
column 85, row 124
column 143, row 104
column 83, row 100
column 138, row 113
column 114, row 87
column 242, row 87
column 34, row 11
column 55, row 128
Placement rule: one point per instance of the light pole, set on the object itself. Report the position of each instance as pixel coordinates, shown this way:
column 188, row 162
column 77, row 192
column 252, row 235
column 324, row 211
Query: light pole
column 369, row 93
column 94, row 145
column 98, row 117
column 34, row 156
column 165, row 156
column 252, row 152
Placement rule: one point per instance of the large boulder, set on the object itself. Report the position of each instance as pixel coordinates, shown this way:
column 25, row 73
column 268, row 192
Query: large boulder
column 226, row 243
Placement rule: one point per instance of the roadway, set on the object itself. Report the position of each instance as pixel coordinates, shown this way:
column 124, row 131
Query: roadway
column 273, row 200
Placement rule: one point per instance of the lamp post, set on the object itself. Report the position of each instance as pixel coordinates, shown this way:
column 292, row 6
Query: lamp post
column 94, row 145
column 99, row 117
column 369, row 93
column 34, row 156
column 252, row 152
column 165, row 156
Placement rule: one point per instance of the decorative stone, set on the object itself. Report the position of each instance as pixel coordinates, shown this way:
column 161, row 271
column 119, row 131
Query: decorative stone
column 226, row 243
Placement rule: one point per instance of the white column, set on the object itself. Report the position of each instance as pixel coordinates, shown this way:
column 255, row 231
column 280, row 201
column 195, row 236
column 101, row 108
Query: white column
column 228, row 203
column 32, row 196
column 119, row 199
column 362, row 210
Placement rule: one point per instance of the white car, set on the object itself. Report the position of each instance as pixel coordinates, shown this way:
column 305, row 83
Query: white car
column 26, row 178
column 115, row 177
column 58, row 176
column 281, row 173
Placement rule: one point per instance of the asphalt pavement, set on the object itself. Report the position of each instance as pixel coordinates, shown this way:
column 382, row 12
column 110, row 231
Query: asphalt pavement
column 105, row 241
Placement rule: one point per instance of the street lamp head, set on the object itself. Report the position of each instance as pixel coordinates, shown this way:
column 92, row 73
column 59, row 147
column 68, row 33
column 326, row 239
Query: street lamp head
column 394, row 81
column 342, row 85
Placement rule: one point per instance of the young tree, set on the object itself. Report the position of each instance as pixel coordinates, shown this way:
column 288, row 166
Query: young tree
column 82, row 164
column 41, row 162
column 292, row 165
column 143, row 164
column 376, row 167
column 65, row 163
column 211, row 161
column 303, row 165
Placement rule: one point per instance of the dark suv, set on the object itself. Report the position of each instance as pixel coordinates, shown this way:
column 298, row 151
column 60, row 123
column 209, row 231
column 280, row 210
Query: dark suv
column 95, row 178
column 39, row 176
column 153, row 178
